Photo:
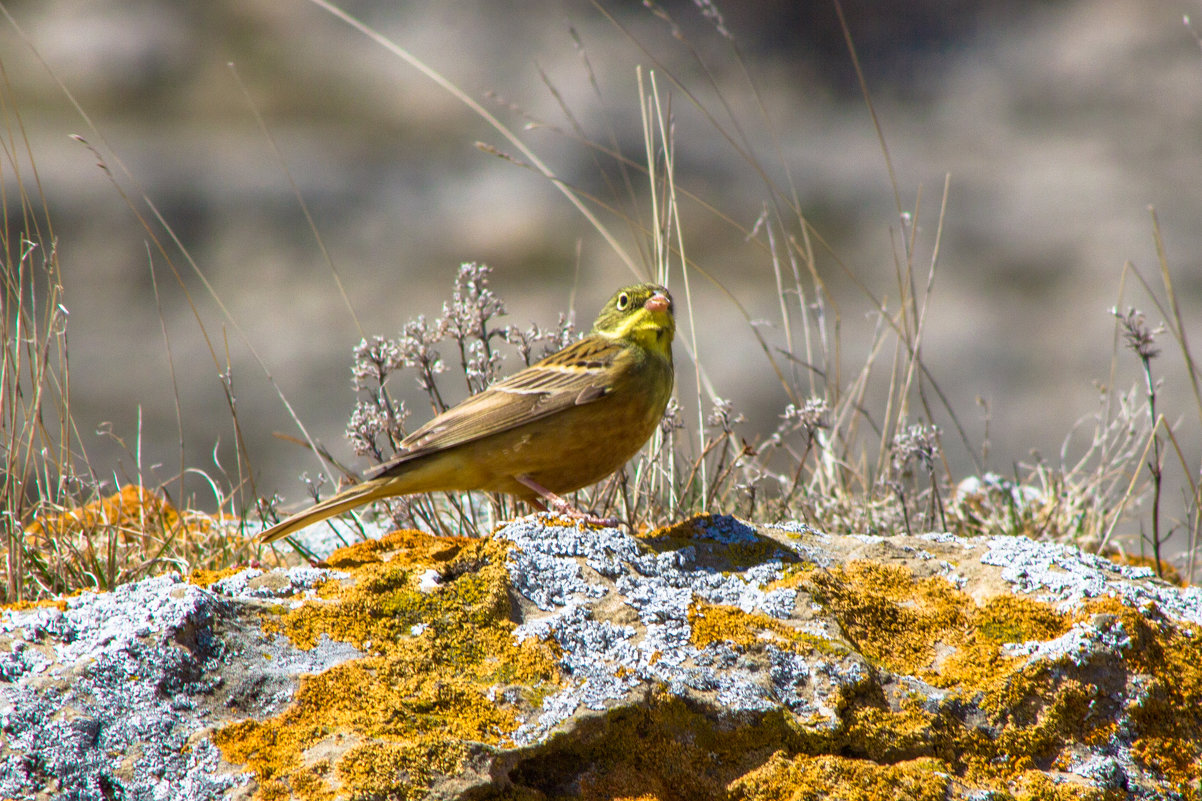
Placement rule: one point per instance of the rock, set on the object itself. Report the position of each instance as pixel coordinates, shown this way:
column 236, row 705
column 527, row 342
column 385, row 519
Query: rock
column 712, row 659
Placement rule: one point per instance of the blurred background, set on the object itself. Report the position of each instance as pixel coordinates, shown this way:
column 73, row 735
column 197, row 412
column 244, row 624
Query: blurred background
column 1058, row 122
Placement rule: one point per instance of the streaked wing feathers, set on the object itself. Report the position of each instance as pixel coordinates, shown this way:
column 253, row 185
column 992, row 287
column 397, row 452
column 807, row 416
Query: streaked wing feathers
column 576, row 375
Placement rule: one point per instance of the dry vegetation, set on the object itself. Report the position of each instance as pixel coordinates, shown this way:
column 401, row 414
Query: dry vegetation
column 841, row 458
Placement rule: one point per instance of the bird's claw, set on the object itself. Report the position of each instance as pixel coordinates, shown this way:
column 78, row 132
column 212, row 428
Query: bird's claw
column 564, row 507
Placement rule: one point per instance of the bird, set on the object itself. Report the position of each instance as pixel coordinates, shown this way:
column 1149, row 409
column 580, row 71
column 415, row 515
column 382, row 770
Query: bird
column 565, row 422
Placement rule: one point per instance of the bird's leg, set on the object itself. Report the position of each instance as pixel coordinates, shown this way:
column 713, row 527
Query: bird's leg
column 562, row 506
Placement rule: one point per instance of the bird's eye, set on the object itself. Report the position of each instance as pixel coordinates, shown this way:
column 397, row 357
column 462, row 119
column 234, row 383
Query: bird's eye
column 623, row 301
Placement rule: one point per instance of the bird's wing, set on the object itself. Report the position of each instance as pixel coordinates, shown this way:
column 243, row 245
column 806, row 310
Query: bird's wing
column 578, row 374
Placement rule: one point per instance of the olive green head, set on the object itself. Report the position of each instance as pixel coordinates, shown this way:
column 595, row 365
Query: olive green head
column 641, row 313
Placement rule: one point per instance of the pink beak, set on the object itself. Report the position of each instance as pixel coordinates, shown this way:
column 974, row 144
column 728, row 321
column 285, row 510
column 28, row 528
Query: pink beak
column 657, row 303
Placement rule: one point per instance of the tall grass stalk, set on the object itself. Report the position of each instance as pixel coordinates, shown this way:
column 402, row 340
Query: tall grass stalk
column 860, row 445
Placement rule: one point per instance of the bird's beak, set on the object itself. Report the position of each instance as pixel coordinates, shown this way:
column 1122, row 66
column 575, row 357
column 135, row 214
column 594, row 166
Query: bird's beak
column 658, row 303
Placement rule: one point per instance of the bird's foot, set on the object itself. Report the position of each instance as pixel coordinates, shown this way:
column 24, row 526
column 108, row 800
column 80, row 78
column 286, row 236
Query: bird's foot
column 564, row 507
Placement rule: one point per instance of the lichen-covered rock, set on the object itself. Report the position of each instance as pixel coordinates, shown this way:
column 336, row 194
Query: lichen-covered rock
column 112, row 695
column 713, row 659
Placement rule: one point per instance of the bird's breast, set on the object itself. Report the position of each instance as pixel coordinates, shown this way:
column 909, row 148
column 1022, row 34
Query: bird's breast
column 581, row 445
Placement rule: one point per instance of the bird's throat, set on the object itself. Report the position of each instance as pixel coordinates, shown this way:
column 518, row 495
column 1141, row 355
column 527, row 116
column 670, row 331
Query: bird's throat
column 650, row 330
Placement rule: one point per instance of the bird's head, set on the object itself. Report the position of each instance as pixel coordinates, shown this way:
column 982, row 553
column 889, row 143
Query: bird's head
column 641, row 313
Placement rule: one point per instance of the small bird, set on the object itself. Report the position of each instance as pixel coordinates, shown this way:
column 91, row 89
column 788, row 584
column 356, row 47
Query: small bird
column 563, row 423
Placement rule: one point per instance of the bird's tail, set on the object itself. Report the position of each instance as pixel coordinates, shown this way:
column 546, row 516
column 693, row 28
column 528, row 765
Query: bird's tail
column 349, row 498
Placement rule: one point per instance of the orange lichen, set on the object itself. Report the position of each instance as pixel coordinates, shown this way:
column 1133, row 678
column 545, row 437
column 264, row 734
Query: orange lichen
column 1013, row 618
column 406, row 544
column 204, row 578
column 441, row 669
column 912, row 750
column 20, row 606
column 109, row 541
column 836, row 778
column 1166, row 714
column 889, row 736
column 133, row 511
column 398, row 770
column 664, row 748
column 794, row 576
column 711, row 623
column 978, row 659
column 1033, row 785
column 890, row 615
column 926, row 628
column 443, row 678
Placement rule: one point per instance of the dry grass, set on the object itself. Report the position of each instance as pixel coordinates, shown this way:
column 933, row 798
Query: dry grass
column 64, row 527
column 844, row 456
column 68, row 524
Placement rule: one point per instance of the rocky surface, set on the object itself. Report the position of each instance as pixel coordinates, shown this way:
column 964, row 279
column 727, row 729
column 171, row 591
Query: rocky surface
column 713, row 659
